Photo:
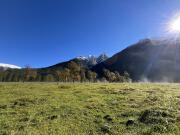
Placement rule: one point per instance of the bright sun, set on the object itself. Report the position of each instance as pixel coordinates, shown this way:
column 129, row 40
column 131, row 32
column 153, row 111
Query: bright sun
column 174, row 25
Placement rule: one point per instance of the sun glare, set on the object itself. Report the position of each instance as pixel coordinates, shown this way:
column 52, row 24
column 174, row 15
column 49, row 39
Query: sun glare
column 174, row 25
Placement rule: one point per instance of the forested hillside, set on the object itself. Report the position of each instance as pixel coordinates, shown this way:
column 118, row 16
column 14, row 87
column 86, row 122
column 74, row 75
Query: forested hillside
column 71, row 71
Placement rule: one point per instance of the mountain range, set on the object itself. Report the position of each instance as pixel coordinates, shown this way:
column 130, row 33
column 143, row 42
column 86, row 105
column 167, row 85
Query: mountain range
column 85, row 62
column 155, row 60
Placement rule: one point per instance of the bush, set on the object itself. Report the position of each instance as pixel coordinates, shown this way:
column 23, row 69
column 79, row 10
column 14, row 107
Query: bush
column 153, row 116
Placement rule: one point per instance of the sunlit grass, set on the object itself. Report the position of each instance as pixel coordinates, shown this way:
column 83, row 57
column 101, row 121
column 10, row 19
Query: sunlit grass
column 100, row 108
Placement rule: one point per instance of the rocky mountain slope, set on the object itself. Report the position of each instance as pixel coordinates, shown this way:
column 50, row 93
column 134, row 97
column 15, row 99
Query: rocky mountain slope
column 147, row 60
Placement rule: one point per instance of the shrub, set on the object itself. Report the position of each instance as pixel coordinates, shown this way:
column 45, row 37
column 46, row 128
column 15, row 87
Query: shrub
column 153, row 116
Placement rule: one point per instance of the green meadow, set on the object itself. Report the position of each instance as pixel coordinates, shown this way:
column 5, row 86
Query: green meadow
column 89, row 109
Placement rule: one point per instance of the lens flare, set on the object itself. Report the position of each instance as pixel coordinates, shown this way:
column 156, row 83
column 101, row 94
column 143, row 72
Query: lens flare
column 171, row 33
column 174, row 24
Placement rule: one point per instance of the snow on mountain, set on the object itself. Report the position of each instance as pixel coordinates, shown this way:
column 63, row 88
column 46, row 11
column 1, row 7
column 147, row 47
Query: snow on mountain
column 81, row 58
column 5, row 66
column 93, row 60
column 102, row 58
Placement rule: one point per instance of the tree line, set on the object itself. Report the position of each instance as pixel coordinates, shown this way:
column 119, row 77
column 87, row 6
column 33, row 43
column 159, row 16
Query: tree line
column 73, row 72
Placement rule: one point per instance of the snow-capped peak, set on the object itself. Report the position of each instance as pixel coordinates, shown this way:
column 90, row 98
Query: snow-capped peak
column 81, row 58
column 9, row 66
column 93, row 60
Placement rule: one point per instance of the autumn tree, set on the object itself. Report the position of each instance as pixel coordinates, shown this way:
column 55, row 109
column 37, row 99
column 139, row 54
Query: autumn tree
column 91, row 76
column 119, row 78
column 58, row 75
column 127, row 77
column 74, row 71
column 83, row 75
column 66, row 74
column 49, row 78
column 29, row 74
column 107, row 74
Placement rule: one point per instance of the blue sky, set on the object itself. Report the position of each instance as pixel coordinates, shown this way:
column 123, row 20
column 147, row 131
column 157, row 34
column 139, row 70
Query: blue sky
column 45, row 32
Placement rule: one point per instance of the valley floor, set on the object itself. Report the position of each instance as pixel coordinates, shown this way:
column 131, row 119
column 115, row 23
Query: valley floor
column 89, row 109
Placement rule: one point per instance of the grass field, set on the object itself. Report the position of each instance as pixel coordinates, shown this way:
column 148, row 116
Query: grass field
column 89, row 109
